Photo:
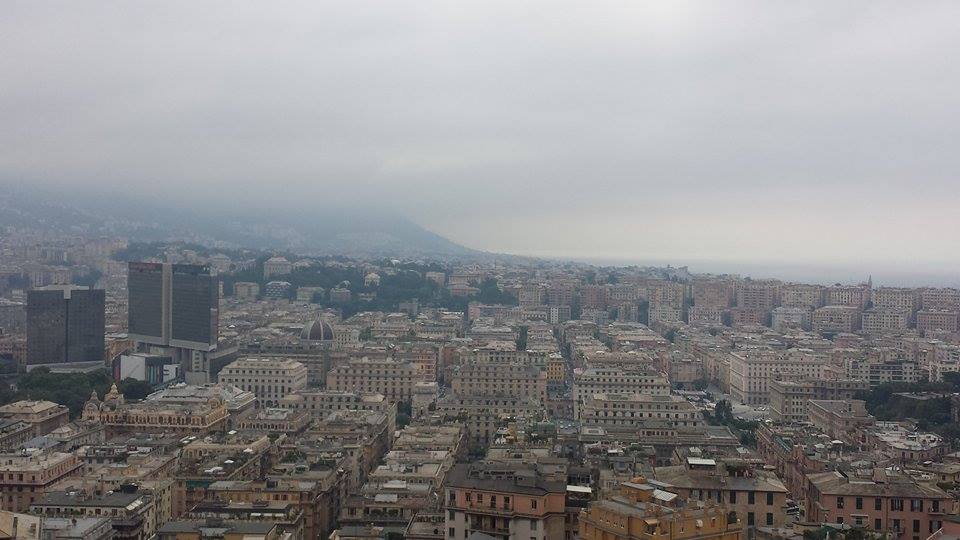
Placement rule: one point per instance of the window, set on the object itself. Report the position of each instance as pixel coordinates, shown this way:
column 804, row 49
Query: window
column 769, row 518
column 859, row 502
column 452, row 532
column 916, row 505
column 451, row 514
column 751, row 497
column 533, row 504
column 840, row 519
column 469, row 496
column 916, row 525
column 750, row 519
column 896, row 505
column 770, row 498
column 877, row 523
column 934, row 506
column 493, row 501
column 733, row 497
column 533, row 524
column 840, row 503
column 878, row 503
column 896, row 524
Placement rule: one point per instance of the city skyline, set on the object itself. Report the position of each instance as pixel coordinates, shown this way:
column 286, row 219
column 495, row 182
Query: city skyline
column 649, row 270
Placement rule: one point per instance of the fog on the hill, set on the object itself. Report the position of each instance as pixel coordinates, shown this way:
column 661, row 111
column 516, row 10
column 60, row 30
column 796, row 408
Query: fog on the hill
column 724, row 131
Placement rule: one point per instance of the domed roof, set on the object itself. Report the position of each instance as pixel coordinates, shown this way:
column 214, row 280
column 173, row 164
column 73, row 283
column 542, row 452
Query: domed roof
column 317, row 330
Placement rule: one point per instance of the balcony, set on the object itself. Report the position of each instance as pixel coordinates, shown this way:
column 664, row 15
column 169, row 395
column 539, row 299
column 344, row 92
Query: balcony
column 488, row 528
column 483, row 507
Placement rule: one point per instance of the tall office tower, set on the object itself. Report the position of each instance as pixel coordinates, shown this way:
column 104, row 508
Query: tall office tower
column 175, row 305
column 65, row 324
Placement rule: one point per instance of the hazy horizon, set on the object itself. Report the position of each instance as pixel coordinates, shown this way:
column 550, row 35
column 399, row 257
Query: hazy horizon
column 810, row 137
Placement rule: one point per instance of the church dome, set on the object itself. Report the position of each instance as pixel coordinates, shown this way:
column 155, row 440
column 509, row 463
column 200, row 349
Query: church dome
column 317, row 330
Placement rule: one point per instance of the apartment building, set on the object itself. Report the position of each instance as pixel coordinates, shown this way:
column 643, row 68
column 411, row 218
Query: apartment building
column 840, row 418
column 26, row 477
column 276, row 420
column 945, row 299
column 785, row 318
column 757, row 496
column 270, row 379
column 789, row 399
column 490, row 355
column 938, row 320
column 905, row 444
column 751, row 371
column 593, row 297
column 884, row 502
column 504, row 501
column 759, row 295
column 227, row 530
column 496, row 379
column 320, row 403
column 134, row 514
column 421, row 438
column 639, row 410
column 747, row 316
column 712, row 293
column 484, row 416
column 42, row 416
column 556, row 369
column 643, row 511
column 392, row 378
column 664, row 313
column 317, row 495
column 801, row 295
column 898, row 298
column 881, row 320
column 848, row 295
column 610, row 380
column 706, row 315
column 246, row 290
column 878, row 372
column 276, row 266
column 836, row 319
column 946, row 359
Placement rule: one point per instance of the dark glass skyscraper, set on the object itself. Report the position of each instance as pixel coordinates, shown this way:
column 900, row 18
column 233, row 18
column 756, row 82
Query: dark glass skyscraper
column 146, row 307
column 65, row 325
column 173, row 305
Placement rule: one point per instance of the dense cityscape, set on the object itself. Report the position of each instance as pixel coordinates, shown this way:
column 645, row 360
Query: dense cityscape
column 479, row 270
column 175, row 391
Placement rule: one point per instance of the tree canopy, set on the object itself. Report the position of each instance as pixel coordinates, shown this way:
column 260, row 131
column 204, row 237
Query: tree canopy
column 70, row 389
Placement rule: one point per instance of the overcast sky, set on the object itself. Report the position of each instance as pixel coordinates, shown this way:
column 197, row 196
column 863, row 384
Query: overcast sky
column 733, row 131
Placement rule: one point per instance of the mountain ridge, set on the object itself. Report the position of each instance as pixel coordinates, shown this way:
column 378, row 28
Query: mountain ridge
column 320, row 231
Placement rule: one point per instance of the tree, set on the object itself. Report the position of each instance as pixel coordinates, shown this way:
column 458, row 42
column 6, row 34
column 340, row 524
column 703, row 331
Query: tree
column 404, row 413
column 134, row 389
column 89, row 279
column 490, row 293
column 723, row 412
column 70, row 389
column 522, row 338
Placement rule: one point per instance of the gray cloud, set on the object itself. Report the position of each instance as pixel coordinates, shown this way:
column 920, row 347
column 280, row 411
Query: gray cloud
column 771, row 131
